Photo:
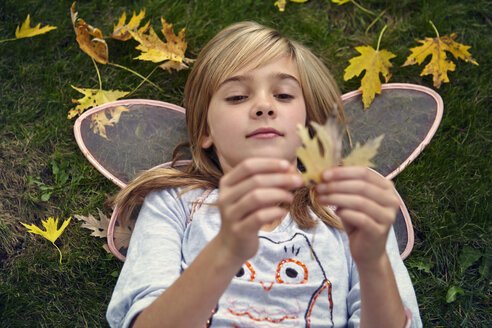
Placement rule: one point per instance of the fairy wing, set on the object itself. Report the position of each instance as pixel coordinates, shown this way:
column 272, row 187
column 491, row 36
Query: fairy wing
column 125, row 137
column 407, row 114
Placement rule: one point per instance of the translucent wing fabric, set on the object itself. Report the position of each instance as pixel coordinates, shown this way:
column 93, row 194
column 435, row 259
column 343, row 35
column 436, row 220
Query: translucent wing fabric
column 126, row 137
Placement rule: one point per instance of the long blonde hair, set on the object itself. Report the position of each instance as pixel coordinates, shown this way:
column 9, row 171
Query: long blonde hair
column 237, row 46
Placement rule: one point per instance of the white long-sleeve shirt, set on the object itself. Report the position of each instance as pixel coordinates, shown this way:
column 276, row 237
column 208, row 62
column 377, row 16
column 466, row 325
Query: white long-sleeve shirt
column 298, row 277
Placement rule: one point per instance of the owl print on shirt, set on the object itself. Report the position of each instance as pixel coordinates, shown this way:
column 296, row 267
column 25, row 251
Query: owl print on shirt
column 284, row 285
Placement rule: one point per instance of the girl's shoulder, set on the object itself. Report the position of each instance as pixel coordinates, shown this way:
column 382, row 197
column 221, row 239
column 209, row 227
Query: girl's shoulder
column 179, row 196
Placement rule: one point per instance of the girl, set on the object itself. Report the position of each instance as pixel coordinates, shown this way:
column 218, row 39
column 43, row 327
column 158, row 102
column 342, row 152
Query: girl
column 262, row 250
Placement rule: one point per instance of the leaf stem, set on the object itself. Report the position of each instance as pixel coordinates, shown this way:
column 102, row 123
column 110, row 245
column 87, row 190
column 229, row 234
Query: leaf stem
column 362, row 8
column 61, row 256
column 435, row 29
column 143, row 81
column 374, row 21
column 381, row 35
column 8, row 40
column 137, row 74
column 98, row 75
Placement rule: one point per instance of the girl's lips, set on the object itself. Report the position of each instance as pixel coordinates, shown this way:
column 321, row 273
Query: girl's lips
column 264, row 133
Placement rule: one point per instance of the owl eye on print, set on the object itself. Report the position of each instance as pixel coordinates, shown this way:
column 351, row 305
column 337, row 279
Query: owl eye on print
column 283, row 287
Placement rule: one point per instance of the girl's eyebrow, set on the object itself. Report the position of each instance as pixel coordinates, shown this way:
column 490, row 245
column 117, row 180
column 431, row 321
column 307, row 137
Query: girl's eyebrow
column 277, row 76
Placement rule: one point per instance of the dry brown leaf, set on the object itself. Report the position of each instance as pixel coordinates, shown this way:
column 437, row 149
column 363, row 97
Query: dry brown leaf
column 120, row 30
column 100, row 120
column 323, row 150
column 89, row 38
column 99, row 227
column 362, row 155
column 122, row 233
column 155, row 50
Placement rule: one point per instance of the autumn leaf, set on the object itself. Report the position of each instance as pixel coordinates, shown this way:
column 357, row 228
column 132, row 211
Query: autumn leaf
column 99, row 227
column 89, row 38
column 123, row 232
column 374, row 62
column 155, row 50
column 439, row 65
column 362, row 155
column 120, row 30
column 92, row 98
column 340, row 2
column 25, row 31
column 323, row 150
column 320, row 152
column 100, row 120
column 281, row 3
column 52, row 232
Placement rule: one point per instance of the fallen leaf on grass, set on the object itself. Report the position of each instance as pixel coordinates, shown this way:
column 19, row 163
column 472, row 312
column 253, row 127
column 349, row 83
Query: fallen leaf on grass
column 92, row 98
column 52, row 232
column 439, row 65
column 323, row 150
column 121, row 30
column 25, row 31
column 281, row 3
column 89, row 38
column 100, row 120
column 122, row 231
column 155, row 50
column 99, row 227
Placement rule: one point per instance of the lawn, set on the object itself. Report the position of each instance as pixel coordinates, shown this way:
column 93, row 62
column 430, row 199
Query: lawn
column 447, row 189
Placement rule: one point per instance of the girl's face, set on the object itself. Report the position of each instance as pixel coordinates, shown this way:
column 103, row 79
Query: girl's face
column 254, row 113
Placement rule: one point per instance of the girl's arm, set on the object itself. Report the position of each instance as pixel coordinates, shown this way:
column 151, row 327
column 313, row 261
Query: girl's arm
column 367, row 205
column 248, row 199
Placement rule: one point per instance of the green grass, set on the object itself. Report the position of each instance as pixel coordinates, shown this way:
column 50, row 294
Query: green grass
column 447, row 189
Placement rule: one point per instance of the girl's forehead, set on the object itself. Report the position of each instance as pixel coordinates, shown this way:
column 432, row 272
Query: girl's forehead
column 281, row 63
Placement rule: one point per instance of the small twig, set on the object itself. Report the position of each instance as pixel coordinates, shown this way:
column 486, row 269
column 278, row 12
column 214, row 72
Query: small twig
column 98, row 75
column 381, row 35
column 137, row 74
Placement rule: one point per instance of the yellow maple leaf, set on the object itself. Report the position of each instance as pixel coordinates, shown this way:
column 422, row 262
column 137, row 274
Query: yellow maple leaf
column 362, row 155
column 439, row 65
column 120, row 30
column 52, row 232
column 323, row 150
column 100, row 120
column 89, row 38
column 155, row 50
column 340, row 2
column 374, row 62
column 320, row 152
column 281, row 3
column 25, row 31
column 92, row 98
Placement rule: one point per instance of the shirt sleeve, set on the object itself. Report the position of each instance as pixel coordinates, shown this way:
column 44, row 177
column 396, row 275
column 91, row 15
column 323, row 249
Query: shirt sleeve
column 153, row 260
column 403, row 281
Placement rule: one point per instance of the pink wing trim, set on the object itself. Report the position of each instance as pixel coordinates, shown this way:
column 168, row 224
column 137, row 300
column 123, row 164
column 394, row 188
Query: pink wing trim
column 432, row 130
column 125, row 102
column 410, row 233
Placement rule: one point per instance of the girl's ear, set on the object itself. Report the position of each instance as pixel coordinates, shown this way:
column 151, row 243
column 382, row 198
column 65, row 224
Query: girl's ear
column 206, row 141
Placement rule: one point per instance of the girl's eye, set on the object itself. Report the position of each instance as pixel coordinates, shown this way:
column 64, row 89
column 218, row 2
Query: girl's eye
column 291, row 272
column 284, row 96
column 246, row 272
column 234, row 99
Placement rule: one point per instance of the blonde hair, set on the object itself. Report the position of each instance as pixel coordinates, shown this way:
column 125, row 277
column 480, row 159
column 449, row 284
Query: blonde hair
column 245, row 44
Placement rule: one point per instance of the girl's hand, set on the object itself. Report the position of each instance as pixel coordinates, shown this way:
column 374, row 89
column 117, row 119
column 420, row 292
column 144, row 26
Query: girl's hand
column 367, row 205
column 249, row 197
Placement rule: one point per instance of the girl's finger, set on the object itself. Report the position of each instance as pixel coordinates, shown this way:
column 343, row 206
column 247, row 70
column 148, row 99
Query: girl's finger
column 255, row 220
column 259, row 199
column 253, row 166
column 356, row 172
column 381, row 214
column 384, row 197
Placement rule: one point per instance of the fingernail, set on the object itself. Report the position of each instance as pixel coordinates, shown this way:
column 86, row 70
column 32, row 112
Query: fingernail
column 284, row 165
column 327, row 175
column 297, row 179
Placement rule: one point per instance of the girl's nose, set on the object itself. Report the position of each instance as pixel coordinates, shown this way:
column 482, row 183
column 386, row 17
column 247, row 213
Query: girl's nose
column 269, row 112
